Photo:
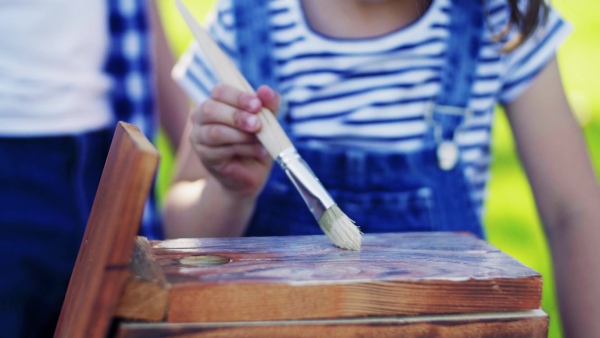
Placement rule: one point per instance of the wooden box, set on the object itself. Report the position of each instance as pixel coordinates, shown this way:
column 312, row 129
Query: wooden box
column 409, row 284
column 398, row 285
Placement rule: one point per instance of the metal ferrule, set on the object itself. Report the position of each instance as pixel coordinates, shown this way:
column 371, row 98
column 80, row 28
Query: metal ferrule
column 312, row 191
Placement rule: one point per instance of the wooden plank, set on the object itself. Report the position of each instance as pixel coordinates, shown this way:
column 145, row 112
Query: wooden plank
column 531, row 324
column 306, row 277
column 254, row 301
column 103, row 260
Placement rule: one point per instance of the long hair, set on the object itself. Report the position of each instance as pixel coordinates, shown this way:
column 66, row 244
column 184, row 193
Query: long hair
column 526, row 21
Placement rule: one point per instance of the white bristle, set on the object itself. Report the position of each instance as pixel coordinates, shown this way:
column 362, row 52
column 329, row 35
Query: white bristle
column 340, row 229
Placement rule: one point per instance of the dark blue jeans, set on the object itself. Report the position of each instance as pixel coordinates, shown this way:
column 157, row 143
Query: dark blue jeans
column 381, row 192
column 47, row 187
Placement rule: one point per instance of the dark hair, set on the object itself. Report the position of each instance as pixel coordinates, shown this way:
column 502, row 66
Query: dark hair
column 526, row 21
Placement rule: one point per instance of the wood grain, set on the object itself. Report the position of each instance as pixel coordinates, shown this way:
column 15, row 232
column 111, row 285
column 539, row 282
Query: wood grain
column 306, row 277
column 146, row 280
column 103, row 260
column 143, row 264
column 531, row 324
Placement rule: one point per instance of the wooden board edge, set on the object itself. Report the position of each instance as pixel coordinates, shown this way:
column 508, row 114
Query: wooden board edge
column 138, row 138
column 532, row 323
column 143, row 301
column 279, row 301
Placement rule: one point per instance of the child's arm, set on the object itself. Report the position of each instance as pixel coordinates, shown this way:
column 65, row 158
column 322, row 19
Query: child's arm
column 173, row 105
column 221, row 166
column 567, row 195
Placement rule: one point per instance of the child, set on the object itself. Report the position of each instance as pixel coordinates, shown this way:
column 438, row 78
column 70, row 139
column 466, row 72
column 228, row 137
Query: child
column 391, row 104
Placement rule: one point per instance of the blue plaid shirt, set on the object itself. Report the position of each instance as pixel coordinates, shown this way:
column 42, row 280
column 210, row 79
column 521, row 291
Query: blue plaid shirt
column 129, row 65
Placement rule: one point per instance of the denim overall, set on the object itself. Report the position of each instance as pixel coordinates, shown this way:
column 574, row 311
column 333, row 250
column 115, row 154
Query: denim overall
column 381, row 191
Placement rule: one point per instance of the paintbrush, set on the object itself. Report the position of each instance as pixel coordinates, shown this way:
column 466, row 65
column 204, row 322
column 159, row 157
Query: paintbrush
column 340, row 229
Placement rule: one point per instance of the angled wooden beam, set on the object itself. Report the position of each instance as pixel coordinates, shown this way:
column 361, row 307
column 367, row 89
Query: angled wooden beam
column 103, row 260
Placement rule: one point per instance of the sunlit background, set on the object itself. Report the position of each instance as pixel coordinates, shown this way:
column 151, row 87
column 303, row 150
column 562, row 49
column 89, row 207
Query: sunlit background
column 511, row 221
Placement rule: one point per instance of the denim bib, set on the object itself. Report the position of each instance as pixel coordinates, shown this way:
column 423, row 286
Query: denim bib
column 423, row 190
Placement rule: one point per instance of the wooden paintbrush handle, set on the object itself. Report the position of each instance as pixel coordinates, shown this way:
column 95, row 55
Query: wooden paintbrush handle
column 271, row 135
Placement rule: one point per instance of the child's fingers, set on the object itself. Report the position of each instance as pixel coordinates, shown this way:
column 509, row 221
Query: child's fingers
column 211, row 112
column 221, row 135
column 269, row 97
column 214, row 158
column 235, row 97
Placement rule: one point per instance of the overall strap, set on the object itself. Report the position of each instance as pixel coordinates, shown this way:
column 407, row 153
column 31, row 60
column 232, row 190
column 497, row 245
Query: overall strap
column 254, row 43
column 464, row 42
column 450, row 108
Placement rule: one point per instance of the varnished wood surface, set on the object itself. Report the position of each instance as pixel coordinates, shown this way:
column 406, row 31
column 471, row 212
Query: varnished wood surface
column 306, row 277
column 103, row 260
column 531, row 324
column 395, row 256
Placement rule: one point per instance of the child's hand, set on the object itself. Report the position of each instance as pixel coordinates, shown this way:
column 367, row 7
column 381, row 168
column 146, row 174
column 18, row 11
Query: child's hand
column 224, row 136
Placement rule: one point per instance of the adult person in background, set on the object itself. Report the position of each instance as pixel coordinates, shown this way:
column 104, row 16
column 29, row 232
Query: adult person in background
column 69, row 70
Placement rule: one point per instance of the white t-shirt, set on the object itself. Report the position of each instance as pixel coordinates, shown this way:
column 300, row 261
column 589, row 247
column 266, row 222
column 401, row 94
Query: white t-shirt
column 51, row 58
column 374, row 92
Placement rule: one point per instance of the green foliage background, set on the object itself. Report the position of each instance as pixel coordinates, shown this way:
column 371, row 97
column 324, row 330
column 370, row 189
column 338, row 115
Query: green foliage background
column 511, row 221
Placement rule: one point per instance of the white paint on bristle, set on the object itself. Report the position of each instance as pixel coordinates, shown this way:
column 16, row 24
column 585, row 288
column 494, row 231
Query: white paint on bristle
column 340, row 229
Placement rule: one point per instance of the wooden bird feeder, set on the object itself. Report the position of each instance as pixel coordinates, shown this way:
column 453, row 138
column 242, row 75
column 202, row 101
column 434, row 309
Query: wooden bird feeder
column 398, row 285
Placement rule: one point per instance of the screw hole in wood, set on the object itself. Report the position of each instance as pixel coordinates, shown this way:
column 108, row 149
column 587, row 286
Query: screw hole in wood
column 204, row 260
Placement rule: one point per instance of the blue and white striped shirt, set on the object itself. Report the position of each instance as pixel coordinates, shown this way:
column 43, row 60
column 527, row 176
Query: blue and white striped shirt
column 375, row 92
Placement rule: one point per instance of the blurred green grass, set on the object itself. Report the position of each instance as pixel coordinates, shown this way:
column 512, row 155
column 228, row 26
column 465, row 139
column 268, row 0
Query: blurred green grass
column 511, row 220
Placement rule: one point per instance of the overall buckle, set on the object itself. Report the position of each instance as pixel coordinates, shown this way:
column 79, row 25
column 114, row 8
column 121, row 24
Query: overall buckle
column 448, row 152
